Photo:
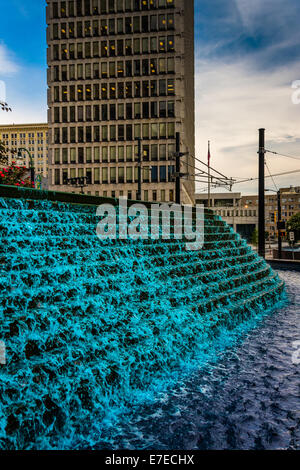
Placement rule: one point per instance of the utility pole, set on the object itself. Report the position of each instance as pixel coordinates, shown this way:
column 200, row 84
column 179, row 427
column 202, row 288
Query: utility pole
column 209, row 180
column 279, row 221
column 178, row 195
column 261, row 210
column 139, row 193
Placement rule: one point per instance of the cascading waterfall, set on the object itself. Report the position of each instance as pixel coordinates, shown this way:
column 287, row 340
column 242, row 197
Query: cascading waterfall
column 90, row 326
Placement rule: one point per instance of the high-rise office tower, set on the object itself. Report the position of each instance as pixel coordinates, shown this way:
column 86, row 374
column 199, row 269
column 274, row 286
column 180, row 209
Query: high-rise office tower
column 119, row 71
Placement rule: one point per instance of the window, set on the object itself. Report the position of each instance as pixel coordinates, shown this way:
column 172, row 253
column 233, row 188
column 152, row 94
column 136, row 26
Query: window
column 136, row 46
column 171, row 44
column 136, row 24
column 121, row 175
column 96, row 175
column 162, row 88
column 72, row 155
column 129, row 175
column 113, row 175
column 120, row 5
column 57, row 177
column 154, row 175
column 105, row 175
column 163, row 174
column 154, row 131
column 163, row 109
column 171, row 87
column 96, row 154
column 79, row 71
column 137, row 131
column 137, row 110
column 171, row 108
column 128, row 47
column 154, row 153
column 145, row 24
column 113, row 133
column 57, row 156
column 145, row 45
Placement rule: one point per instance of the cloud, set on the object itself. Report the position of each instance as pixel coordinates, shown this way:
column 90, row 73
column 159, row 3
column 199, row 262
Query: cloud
column 26, row 93
column 24, row 87
column 234, row 99
column 8, row 66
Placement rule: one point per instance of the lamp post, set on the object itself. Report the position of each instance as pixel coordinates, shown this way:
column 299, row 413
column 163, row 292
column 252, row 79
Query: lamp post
column 78, row 182
column 20, row 150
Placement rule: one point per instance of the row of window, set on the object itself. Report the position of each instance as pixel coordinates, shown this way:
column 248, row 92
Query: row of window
column 237, row 213
column 94, row 7
column 114, row 112
column 112, row 26
column 116, row 175
column 163, row 195
column 119, row 48
column 113, row 154
column 116, row 69
column 153, row 196
column 30, row 135
column 113, row 133
column 23, row 142
column 112, row 91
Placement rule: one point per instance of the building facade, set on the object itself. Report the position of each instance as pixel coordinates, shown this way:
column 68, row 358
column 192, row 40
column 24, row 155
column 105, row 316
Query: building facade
column 241, row 212
column 119, row 71
column 235, row 209
column 33, row 137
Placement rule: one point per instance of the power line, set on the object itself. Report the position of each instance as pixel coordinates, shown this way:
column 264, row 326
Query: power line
column 275, row 185
column 278, row 174
column 282, row 155
column 212, row 169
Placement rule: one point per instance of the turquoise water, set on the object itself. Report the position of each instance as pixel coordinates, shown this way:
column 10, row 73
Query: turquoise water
column 248, row 399
column 92, row 327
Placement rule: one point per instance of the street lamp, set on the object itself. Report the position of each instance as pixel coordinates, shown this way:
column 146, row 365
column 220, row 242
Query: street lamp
column 279, row 222
column 31, row 162
column 78, row 182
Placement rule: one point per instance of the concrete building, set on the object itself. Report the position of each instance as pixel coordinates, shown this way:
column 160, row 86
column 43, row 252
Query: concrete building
column 290, row 205
column 241, row 212
column 33, row 137
column 237, row 210
column 120, row 70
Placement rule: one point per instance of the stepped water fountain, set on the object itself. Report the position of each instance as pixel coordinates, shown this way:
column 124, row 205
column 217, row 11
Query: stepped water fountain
column 90, row 326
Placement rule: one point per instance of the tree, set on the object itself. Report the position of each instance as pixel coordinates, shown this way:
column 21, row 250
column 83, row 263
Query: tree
column 293, row 225
column 15, row 176
column 254, row 238
column 3, row 154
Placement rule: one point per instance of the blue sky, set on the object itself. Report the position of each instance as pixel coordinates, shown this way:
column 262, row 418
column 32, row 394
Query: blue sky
column 247, row 56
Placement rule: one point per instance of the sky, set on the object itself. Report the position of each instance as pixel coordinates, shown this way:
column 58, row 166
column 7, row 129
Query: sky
column 247, row 58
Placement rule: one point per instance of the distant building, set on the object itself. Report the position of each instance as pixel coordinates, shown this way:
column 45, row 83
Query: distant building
column 241, row 212
column 120, row 70
column 290, row 205
column 234, row 210
column 33, row 137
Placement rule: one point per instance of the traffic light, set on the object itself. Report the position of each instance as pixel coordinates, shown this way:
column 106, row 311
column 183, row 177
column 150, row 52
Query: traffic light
column 274, row 217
